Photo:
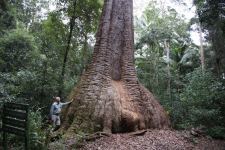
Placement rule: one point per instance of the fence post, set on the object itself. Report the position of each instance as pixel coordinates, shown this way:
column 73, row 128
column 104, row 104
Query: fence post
column 4, row 140
column 27, row 130
column 4, row 133
column 15, row 120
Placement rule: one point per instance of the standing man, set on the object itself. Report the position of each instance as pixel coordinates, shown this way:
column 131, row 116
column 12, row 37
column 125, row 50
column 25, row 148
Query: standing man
column 55, row 112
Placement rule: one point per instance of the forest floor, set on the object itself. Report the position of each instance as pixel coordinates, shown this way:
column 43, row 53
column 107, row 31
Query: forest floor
column 150, row 140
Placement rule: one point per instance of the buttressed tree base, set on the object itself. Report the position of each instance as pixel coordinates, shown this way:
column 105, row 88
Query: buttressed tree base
column 109, row 97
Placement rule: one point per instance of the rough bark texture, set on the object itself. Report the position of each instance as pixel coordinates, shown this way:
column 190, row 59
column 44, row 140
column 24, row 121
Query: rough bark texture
column 109, row 97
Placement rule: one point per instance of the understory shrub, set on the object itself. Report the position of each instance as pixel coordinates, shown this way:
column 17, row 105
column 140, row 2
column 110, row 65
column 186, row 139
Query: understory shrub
column 203, row 103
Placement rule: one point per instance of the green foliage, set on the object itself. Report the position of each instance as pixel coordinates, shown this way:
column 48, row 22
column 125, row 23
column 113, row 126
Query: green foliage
column 18, row 53
column 32, row 48
column 88, row 12
column 157, row 71
column 191, row 97
column 16, row 50
column 203, row 99
column 28, row 12
column 22, row 76
column 190, row 59
column 152, row 73
column 32, row 51
column 38, row 136
column 213, row 9
column 211, row 16
column 158, row 25
column 217, row 132
column 7, row 20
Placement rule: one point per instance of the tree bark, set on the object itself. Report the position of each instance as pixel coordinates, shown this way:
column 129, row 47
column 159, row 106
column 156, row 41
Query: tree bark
column 109, row 97
column 202, row 57
column 218, row 44
column 167, row 50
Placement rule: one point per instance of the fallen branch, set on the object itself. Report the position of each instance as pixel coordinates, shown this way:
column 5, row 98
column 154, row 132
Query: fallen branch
column 138, row 133
column 95, row 136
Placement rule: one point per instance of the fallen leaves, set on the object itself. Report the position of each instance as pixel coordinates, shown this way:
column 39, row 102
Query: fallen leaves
column 154, row 140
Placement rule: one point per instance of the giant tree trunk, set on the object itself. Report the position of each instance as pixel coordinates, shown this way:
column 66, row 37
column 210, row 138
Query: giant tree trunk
column 109, row 96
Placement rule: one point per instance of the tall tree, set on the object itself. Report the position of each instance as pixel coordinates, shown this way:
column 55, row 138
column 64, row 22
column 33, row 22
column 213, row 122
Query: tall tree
column 167, row 50
column 211, row 14
column 71, row 26
column 109, row 96
column 202, row 57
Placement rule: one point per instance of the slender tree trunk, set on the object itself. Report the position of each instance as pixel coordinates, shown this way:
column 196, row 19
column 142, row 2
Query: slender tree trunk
column 202, row 57
column 85, row 52
column 167, row 49
column 109, row 96
column 62, row 76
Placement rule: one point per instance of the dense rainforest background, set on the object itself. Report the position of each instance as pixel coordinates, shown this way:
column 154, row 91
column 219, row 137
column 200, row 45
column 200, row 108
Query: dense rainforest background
column 44, row 51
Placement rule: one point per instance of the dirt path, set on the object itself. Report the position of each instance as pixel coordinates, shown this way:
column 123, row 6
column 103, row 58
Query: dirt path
column 155, row 140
